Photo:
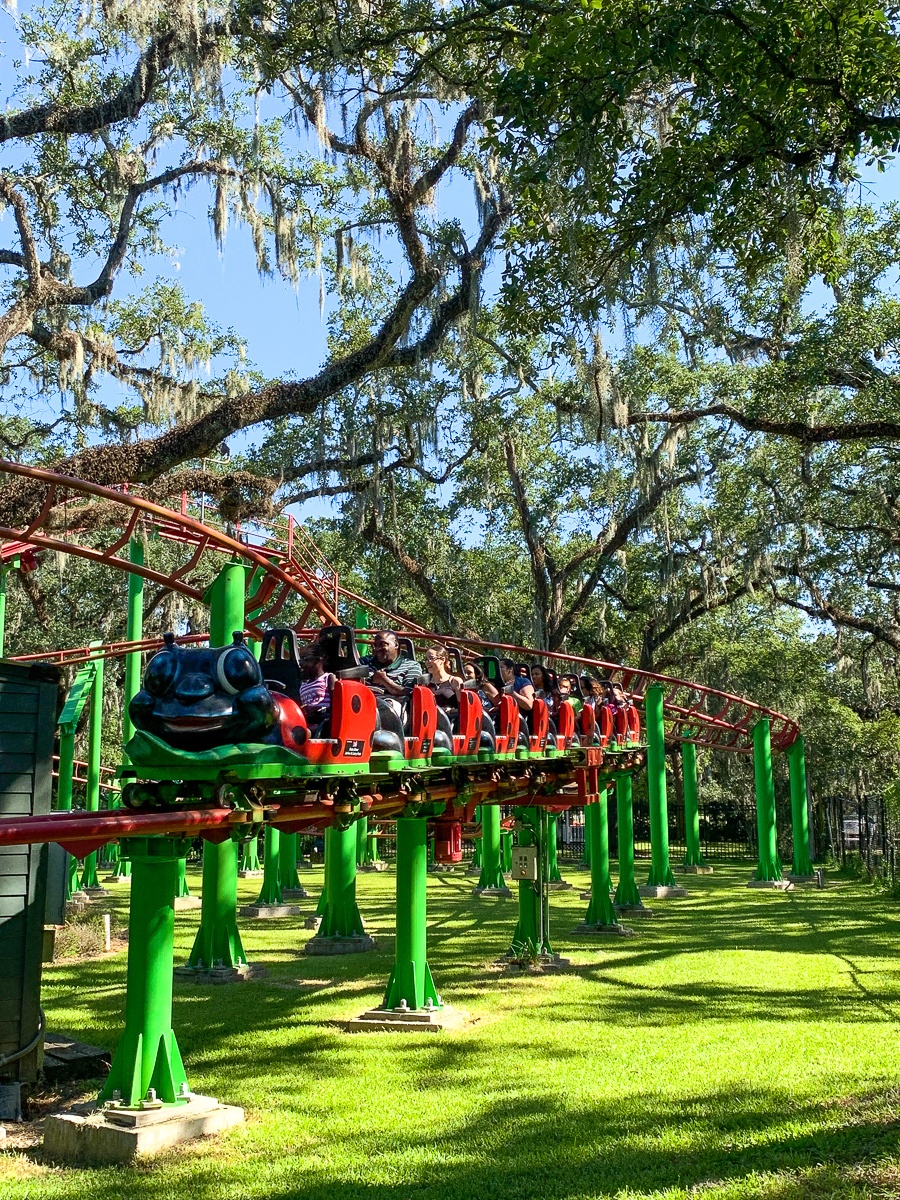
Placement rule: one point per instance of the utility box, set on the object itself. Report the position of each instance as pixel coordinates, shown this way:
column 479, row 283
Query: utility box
column 28, row 697
column 525, row 863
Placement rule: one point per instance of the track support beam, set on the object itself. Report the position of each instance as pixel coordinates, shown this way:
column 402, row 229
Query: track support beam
column 147, row 1056
column 410, row 984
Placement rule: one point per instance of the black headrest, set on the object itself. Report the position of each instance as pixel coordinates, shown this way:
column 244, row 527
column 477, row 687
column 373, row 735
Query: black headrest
column 576, row 685
column 405, row 646
column 338, row 645
column 490, row 664
column 279, row 659
column 456, row 660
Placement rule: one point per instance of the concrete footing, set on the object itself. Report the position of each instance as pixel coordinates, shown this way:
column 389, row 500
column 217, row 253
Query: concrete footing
column 492, row 891
column 340, row 945
column 250, row 874
column 662, row 893
column 777, row 885
column 544, row 962
column 442, row 868
column 692, row 870
column 802, row 878
column 96, row 893
column 312, row 922
column 558, row 885
column 601, row 930
column 269, row 912
column 185, row 902
column 408, row 1020
column 639, row 911
column 297, row 893
column 117, row 879
column 375, row 866
column 242, row 974
column 117, row 1135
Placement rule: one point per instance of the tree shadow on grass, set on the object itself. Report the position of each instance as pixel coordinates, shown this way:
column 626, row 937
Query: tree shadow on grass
column 525, row 1148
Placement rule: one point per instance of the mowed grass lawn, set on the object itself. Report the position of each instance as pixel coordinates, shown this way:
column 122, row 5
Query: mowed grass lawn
column 745, row 1044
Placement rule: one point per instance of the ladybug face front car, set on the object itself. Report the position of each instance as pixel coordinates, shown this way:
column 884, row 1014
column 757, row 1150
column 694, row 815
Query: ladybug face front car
column 196, row 699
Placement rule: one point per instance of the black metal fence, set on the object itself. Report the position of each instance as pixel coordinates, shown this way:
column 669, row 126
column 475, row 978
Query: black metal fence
column 726, row 831
column 860, row 829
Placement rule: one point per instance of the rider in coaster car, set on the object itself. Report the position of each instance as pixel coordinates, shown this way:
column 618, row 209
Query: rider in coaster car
column 441, row 680
column 479, row 683
column 565, row 694
column 316, row 685
column 392, row 671
column 615, row 695
column 519, row 687
column 541, row 684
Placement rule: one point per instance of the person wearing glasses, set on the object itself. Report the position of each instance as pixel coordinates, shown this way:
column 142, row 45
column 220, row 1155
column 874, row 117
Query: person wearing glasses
column 441, row 679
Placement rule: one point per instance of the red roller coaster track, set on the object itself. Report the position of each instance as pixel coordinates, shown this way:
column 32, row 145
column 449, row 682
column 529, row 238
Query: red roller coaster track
column 288, row 563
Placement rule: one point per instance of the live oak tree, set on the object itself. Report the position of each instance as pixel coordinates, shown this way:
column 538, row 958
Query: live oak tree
column 321, row 152
column 671, row 187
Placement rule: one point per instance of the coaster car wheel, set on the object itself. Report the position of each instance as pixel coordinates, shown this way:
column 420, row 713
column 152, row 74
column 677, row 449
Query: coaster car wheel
column 138, row 797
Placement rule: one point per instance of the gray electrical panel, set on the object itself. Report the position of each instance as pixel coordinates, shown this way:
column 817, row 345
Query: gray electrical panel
column 525, row 863
column 28, row 697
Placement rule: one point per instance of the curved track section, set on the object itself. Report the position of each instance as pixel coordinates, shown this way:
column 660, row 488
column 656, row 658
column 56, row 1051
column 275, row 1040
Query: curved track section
column 96, row 523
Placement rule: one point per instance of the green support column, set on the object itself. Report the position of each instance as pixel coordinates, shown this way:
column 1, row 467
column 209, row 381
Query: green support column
column 588, row 819
column 64, row 801
column 78, row 697
column 4, row 571
column 532, row 934
column 271, row 892
column 693, row 856
column 66, row 771
column 218, row 940
column 147, row 1055
column 627, row 894
column 410, row 981
column 660, row 870
column 475, row 866
column 341, row 930
column 89, row 877
column 554, row 878
column 491, row 881
column 769, row 868
column 372, row 859
column 802, row 866
column 134, row 633
column 181, row 883
column 362, row 836
column 133, row 663
column 249, row 863
column 506, row 844
column 600, row 913
column 287, row 860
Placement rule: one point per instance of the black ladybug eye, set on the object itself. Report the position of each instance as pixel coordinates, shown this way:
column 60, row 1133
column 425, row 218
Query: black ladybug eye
column 161, row 671
column 237, row 670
